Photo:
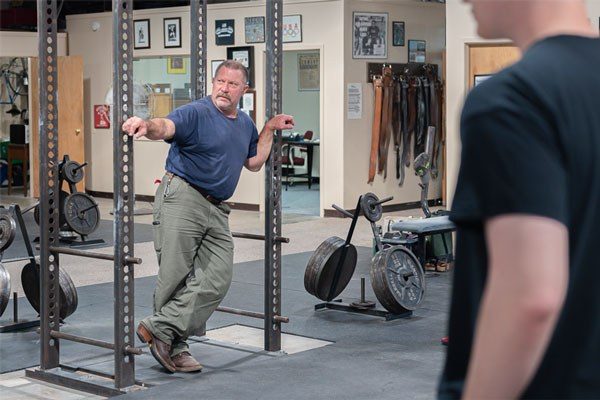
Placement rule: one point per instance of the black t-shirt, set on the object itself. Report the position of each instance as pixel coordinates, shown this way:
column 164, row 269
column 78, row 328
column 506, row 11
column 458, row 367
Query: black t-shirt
column 531, row 145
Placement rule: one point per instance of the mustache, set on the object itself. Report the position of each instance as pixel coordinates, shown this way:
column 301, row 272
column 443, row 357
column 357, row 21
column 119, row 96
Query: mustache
column 226, row 96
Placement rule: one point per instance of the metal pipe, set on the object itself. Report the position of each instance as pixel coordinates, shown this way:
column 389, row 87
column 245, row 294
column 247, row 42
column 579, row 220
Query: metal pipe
column 258, row 237
column 383, row 200
column 252, row 314
column 31, row 207
column 91, row 254
column 10, row 260
column 15, row 308
column 93, row 342
column 344, row 212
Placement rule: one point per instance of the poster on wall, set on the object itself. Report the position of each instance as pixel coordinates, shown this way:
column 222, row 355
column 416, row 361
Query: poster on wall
column 354, row 101
column 245, row 55
column 255, row 29
column 224, row 32
column 398, row 33
column 416, row 51
column 370, row 35
column 292, row 28
column 141, row 29
column 172, row 32
column 308, row 71
column 102, row 116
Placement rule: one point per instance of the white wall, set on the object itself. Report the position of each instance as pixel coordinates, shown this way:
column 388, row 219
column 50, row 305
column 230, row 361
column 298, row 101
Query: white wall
column 322, row 22
column 461, row 30
column 422, row 21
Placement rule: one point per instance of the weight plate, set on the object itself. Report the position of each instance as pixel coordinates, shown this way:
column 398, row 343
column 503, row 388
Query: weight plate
column 61, row 215
column 397, row 279
column 30, row 279
column 322, row 265
column 373, row 212
column 4, row 288
column 72, row 172
column 8, row 229
column 81, row 213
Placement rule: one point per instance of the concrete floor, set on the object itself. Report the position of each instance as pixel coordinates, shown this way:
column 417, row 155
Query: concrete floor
column 353, row 334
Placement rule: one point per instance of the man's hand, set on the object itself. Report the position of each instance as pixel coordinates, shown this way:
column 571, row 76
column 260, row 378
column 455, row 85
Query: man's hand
column 136, row 127
column 154, row 129
column 280, row 122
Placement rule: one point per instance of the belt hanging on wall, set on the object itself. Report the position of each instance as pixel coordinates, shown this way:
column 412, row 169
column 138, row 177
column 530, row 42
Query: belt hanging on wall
column 407, row 100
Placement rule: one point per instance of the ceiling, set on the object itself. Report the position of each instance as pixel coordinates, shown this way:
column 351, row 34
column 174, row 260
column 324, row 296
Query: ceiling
column 20, row 15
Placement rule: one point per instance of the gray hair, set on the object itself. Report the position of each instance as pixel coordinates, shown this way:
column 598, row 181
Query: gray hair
column 233, row 64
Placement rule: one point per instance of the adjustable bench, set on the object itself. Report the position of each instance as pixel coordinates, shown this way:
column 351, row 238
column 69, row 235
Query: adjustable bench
column 425, row 227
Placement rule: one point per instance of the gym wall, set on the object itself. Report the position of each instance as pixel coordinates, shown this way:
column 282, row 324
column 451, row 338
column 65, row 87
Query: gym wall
column 322, row 28
column 461, row 30
column 424, row 22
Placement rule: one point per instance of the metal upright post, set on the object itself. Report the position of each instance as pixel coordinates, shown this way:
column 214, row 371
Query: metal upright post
column 124, row 195
column 49, row 200
column 274, row 13
column 198, row 30
column 198, row 24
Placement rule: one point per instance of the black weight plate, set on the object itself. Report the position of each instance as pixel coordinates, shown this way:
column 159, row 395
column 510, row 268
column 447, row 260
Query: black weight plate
column 8, row 229
column 397, row 279
column 373, row 212
column 61, row 216
column 81, row 213
column 72, row 172
column 4, row 288
column 30, row 280
column 322, row 265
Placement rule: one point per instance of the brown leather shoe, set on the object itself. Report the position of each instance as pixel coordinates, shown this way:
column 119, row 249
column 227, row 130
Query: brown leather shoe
column 184, row 362
column 159, row 349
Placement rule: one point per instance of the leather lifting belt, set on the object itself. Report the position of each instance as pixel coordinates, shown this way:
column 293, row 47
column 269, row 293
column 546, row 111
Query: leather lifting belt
column 397, row 122
column 386, row 121
column 378, row 86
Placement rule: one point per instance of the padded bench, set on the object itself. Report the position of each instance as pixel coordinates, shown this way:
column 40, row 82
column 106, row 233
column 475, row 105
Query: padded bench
column 425, row 227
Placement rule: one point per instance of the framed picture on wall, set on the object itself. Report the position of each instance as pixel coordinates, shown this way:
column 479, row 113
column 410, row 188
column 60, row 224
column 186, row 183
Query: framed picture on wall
column 478, row 79
column 224, row 32
column 172, row 32
column 141, row 37
column 176, row 65
column 254, row 29
column 248, row 104
column 398, row 33
column 214, row 64
column 102, row 116
column 416, row 51
column 245, row 55
column 369, row 35
column 292, row 28
column 308, row 72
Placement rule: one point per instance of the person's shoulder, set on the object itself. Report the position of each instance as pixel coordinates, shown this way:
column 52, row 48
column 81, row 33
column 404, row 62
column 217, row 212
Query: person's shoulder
column 245, row 118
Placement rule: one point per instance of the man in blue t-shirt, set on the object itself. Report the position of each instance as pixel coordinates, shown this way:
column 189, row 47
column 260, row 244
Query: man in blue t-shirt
column 525, row 303
column 210, row 143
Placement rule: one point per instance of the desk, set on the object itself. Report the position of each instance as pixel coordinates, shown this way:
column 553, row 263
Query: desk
column 309, row 145
column 18, row 152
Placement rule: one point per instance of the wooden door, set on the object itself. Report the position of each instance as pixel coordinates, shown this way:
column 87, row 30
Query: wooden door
column 70, row 116
column 490, row 58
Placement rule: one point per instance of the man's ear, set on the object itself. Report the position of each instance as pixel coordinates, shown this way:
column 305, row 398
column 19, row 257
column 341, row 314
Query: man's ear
column 246, row 87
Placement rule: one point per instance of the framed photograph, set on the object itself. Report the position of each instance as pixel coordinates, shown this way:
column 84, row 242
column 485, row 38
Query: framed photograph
column 102, row 116
column 292, row 28
column 245, row 55
column 248, row 104
column 308, row 71
column 398, row 33
column 416, row 51
column 214, row 64
column 176, row 65
column 172, row 31
column 254, row 29
column 141, row 37
column 370, row 35
column 225, row 32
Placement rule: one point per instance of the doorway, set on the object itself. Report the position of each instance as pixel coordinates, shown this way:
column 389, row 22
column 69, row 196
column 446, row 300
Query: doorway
column 301, row 97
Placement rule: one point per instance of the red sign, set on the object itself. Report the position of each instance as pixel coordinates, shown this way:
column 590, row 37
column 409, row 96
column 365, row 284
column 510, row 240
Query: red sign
column 102, row 116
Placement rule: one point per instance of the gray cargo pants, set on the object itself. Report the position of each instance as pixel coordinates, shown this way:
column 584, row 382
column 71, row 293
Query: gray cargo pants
column 195, row 256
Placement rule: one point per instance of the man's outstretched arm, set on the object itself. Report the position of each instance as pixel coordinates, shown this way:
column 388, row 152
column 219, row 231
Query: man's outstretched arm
column 265, row 140
column 528, row 258
column 153, row 129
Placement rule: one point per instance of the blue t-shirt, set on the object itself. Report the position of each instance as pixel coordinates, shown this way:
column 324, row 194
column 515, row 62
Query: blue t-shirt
column 209, row 149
